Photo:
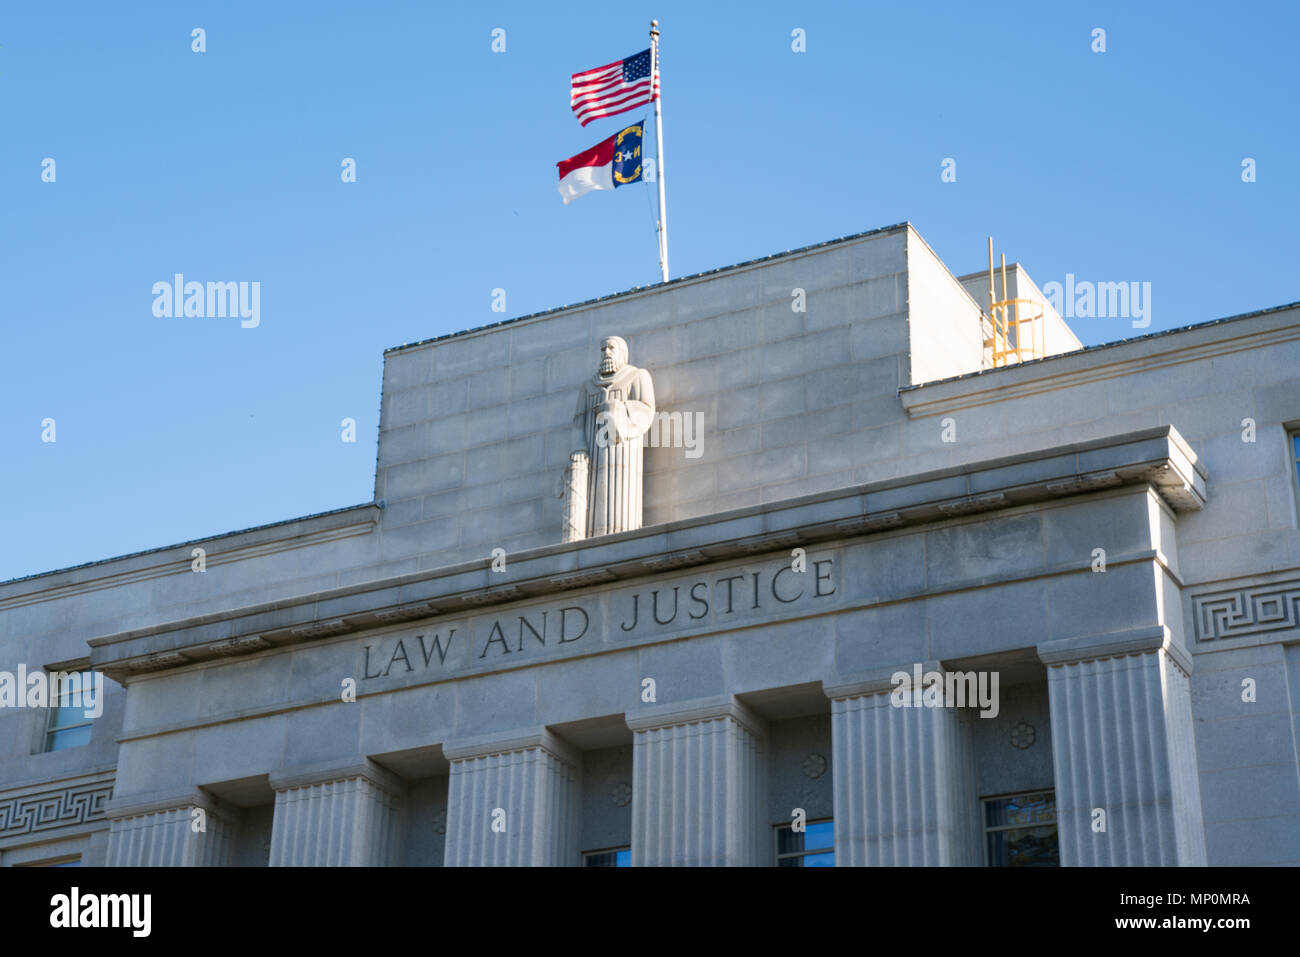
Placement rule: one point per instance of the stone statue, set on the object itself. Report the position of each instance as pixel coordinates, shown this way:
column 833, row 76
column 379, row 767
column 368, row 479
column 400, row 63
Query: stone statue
column 602, row 488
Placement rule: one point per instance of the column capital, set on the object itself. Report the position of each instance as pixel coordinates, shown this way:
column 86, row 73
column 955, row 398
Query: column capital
column 505, row 742
column 694, row 711
column 1115, row 644
column 877, row 681
column 309, row 775
column 162, row 830
column 136, row 805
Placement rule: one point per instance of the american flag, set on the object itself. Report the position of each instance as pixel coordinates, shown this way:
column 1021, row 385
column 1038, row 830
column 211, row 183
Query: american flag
column 614, row 88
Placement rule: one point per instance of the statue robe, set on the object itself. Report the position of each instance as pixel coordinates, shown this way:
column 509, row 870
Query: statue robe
column 614, row 452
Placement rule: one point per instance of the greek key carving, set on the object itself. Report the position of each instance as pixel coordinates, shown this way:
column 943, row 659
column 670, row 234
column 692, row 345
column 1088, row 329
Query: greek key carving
column 1247, row 611
column 45, row 810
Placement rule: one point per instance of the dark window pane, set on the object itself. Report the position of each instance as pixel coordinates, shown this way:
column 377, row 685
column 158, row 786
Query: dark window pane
column 825, row 859
column 1036, row 808
column 72, row 738
column 67, row 715
column 787, row 841
column 816, row 837
column 1028, row 847
column 621, row 858
column 67, row 690
column 820, row 835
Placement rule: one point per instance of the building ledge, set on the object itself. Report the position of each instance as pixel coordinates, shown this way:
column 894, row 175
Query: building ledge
column 1111, row 360
column 292, row 533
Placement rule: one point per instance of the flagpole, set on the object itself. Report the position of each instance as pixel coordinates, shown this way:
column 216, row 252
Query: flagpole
column 659, row 144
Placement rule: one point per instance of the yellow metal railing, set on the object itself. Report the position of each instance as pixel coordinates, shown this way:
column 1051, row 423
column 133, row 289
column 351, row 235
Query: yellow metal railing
column 1018, row 327
column 1017, row 331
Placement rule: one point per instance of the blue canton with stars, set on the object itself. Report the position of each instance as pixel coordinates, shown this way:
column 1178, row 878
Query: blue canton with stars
column 636, row 67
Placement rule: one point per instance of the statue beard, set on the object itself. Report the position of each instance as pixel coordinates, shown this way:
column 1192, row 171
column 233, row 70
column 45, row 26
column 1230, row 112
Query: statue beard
column 608, row 365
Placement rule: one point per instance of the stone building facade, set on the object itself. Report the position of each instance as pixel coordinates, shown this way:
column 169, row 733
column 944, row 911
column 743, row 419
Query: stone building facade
column 839, row 495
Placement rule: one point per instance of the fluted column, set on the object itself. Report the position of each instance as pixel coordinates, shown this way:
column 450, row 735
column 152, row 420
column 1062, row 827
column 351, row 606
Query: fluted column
column 698, row 785
column 902, row 776
column 187, row 828
column 1123, row 751
column 336, row 817
column 512, row 801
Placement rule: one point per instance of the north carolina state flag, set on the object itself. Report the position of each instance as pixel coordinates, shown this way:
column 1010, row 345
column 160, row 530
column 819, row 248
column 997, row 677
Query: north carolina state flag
column 609, row 164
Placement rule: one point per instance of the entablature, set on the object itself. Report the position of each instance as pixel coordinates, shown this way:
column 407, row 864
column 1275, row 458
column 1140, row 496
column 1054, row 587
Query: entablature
column 1157, row 458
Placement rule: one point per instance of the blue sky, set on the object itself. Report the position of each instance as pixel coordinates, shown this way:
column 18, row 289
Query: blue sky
column 225, row 165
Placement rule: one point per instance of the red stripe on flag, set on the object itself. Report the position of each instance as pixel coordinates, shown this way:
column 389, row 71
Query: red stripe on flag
column 640, row 88
column 595, row 91
column 614, row 106
column 607, row 66
column 602, row 154
column 598, row 80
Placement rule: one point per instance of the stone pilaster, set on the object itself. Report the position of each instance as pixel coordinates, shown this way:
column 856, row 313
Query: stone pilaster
column 187, row 828
column 1123, row 745
column 336, row 817
column 903, row 792
column 512, row 801
column 698, row 785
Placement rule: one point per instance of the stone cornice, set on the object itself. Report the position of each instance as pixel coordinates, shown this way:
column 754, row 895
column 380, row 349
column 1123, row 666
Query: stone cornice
column 1113, row 360
column 220, row 549
column 1156, row 458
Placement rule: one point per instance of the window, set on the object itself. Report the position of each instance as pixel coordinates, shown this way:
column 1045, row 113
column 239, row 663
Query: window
column 1020, row 830
column 69, row 727
column 613, row 857
column 1295, row 460
column 813, row 847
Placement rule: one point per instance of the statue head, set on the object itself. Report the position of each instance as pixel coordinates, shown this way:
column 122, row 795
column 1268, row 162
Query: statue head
column 613, row 355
